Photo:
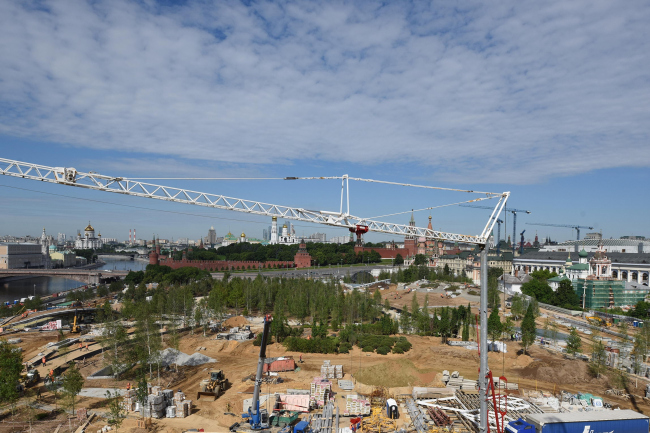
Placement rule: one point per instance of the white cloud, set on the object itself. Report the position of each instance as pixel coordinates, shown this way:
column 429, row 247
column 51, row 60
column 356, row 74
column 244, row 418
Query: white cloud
column 512, row 92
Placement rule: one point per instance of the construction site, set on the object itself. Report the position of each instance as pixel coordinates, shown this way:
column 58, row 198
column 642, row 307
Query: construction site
column 210, row 383
column 231, row 373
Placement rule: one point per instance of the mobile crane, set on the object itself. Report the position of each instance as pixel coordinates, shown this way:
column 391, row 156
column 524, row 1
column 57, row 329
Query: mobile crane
column 258, row 419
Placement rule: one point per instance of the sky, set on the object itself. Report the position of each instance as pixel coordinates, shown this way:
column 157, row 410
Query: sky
column 548, row 100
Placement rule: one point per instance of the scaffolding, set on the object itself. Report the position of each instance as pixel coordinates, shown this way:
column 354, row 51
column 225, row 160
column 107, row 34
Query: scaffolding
column 607, row 293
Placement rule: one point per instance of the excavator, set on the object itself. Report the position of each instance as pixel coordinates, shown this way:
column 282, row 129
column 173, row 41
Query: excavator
column 257, row 418
column 214, row 386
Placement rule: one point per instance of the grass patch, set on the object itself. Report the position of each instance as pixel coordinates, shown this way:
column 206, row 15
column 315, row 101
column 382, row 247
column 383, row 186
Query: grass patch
column 395, row 372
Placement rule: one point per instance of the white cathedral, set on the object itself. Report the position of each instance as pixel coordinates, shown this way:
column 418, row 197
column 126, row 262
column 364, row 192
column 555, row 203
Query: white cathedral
column 88, row 240
column 285, row 237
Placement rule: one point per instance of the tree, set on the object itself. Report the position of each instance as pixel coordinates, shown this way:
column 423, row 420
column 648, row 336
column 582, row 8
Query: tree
column 405, row 320
column 538, row 290
column 528, row 329
column 73, row 382
column 565, row 296
column 11, row 364
column 517, row 307
column 399, row 260
column 598, row 357
column 420, row 259
column 466, row 331
column 444, row 327
column 495, row 326
column 508, row 326
column 142, row 391
column 573, row 342
column 116, row 412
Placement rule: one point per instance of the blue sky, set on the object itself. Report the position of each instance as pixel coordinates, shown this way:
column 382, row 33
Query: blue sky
column 547, row 100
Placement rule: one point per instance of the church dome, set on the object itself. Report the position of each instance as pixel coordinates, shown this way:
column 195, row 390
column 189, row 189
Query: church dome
column 568, row 259
column 243, row 235
column 583, row 253
column 89, row 228
column 284, row 226
column 52, row 247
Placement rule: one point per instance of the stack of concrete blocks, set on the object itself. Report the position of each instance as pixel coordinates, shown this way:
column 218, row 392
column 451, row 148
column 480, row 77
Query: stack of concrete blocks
column 156, row 406
column 356, row 405
column 128, row 402
column 319, row 392
column 182, row 407
column 331, row 371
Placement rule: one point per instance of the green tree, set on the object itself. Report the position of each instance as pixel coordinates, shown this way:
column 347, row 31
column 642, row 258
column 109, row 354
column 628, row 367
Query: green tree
column 598, row 358
column 399, row 260
column 142, row 391
column 73, row 382
column 495, row 327
column 466, row 331
column 508, row 326
column 565, row 296
column 573, row 342
column 11, row 364
column 517, row 307
column 405, row 320
column 538, row 290
column 420, row 259
column 116, row 412
column 444, row 327
column 528, row 328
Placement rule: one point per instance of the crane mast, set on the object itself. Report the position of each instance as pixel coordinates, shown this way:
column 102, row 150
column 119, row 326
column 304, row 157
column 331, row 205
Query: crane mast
column 256, row 418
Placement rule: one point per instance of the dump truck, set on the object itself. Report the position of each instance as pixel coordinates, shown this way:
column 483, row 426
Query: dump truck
column 607, row 421
column 215, row 385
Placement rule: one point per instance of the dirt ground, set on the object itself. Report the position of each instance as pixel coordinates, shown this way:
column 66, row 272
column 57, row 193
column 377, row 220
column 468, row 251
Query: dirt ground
column 399, row 298
column 421, row 366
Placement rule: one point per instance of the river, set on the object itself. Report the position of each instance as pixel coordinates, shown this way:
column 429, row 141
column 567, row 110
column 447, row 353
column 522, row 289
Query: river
column 19, row 287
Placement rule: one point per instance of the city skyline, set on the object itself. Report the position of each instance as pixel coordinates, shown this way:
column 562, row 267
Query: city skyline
column 547, row 101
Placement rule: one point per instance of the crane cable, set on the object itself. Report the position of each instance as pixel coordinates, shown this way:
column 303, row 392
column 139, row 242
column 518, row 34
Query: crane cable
column 493, row 194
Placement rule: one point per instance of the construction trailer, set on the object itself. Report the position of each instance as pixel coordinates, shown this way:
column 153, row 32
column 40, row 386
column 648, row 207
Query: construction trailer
column 606, row 421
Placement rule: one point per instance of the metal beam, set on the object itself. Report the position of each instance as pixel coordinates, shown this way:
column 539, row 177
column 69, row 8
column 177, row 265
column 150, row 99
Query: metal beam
column 121, row 185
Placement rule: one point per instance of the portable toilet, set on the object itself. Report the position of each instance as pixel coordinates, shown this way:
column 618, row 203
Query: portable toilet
column 391, row 409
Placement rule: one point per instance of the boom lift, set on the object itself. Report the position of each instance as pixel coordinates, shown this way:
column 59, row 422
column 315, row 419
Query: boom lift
column 258, row 419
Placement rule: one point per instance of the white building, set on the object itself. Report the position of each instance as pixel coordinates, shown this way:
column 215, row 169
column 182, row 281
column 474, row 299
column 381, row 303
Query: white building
column 590, row 245
column 88, row 240
column 287, row 238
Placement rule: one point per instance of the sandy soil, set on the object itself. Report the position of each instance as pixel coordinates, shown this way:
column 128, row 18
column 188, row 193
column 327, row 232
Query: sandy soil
column 421, row 366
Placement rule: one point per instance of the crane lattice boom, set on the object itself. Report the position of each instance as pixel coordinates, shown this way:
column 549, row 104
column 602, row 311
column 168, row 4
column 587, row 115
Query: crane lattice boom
column 121, row 185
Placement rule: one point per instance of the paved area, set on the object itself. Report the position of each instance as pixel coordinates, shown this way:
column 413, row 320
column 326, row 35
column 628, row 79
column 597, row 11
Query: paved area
column 100, row 392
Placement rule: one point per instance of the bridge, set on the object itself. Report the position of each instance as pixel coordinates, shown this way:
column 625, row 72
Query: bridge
column 86, row 276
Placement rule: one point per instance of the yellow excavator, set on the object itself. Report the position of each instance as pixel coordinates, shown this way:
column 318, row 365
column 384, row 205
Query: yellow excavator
column 75, row 329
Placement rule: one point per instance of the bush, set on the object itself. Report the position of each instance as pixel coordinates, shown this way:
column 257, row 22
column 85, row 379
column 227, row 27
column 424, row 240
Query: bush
column 345, row 348
column 383, row 350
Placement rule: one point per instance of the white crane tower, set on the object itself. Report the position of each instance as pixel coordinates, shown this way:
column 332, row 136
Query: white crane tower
column 134, row 187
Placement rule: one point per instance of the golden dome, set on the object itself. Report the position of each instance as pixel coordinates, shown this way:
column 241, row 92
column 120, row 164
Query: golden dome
column 275, row 218
column 284, row 226
column 243, row 235
column 89, row 228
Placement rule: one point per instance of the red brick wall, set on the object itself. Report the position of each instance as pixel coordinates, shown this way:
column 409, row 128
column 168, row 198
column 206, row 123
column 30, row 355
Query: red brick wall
column 385, row 253
column 223, row 265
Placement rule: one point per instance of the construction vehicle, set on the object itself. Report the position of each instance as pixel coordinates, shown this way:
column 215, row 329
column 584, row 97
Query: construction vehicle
column 31, row 378
column 214, row 386
column 595, row 320
column 75, row 329
column 257, row 418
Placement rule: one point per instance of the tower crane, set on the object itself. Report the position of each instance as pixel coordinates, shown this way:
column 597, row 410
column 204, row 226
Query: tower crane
column 521, row 245
column 514, row 221
column 573, row 226
column 120, row 185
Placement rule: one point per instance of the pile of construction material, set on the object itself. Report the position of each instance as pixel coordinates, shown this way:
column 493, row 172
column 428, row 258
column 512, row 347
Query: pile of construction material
column 241, row 334
column 320, row 392
column 160, row 403
column 297, row 403
column 456, row 381
column 331, row 371
column 128, row 402
column 356, row 405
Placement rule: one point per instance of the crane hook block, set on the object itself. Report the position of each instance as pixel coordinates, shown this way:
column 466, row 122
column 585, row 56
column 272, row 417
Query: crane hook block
column 67, row 175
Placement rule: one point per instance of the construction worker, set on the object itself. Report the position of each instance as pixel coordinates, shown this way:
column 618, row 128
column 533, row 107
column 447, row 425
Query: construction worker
column 228, row 407
column 128, row 386
column 86, row 347
column 301, row 358
column 43, row 360
column 80, row 346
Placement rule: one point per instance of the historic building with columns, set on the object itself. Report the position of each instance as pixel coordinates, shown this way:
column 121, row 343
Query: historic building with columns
column 88, row 240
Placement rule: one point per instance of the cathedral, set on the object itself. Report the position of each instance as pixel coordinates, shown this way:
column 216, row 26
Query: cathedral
column 88, row 240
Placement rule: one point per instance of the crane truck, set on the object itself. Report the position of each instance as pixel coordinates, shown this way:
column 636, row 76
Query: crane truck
column 257, row 418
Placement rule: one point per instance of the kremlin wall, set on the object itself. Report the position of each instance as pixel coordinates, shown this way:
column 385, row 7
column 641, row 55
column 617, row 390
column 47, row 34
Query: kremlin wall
column 302, row 260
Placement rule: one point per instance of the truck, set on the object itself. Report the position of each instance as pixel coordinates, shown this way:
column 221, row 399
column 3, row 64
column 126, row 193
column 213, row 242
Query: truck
column 606, row 421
